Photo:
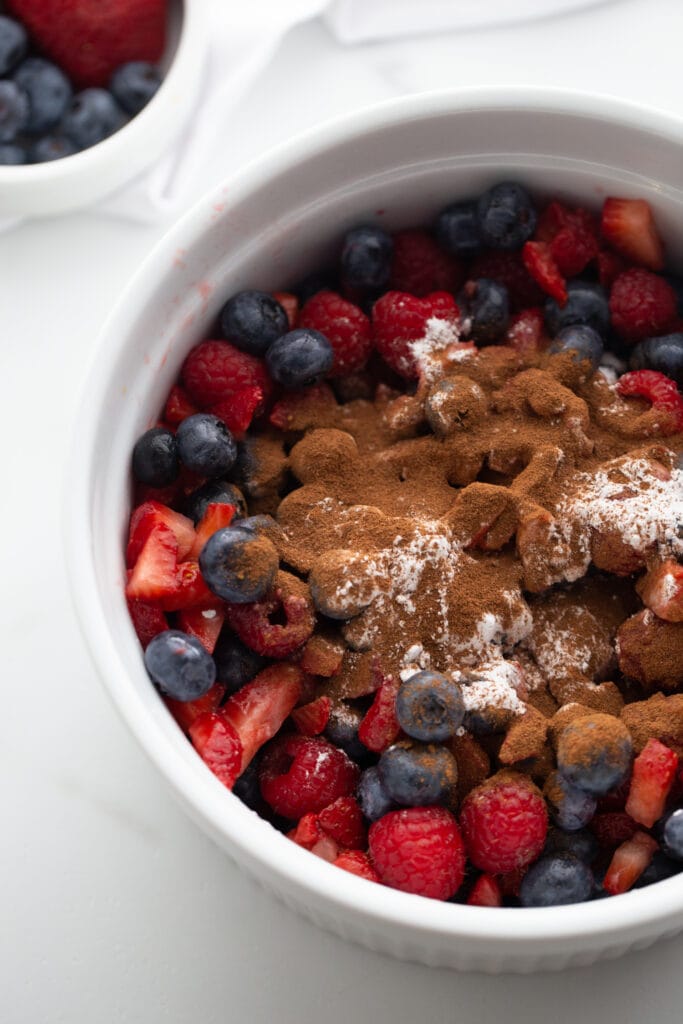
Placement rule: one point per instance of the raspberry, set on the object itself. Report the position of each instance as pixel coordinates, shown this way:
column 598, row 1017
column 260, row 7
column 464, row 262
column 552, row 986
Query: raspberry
column 508, row 269
column 612, row 828
column 357, row 863
column 658, row 389
column 345, row 326
column 253, row 625
column 301, row 774
column 419, row 266
column 641, row 304
column 419, row 850
column 504, row 823
column 343, row 822
column 556, row 217
column 399, row 319
column 178, row 406
column 540, row 262
column 572, row 235
column 216, row 370
column 610, row 265
column 526, row 333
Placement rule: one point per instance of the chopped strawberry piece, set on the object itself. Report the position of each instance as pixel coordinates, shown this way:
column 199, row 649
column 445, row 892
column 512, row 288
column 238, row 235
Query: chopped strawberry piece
column 654, row 772
column 628, row 863
column 526, row 333
column 486, row 892
column 661, row 590
column 149, row 515
column 238, row 411
column 303, row 774
column 188, row 711
column 343, row 821
column 612, row 828
column 311, row 719
column 203, row 622
column 540, row 262
column 290, row 304
column 218, row 744
column 380, row 726
column 419, row 266
column 628, row 226
column 308, row 831
column 178, row 406
column 357, row 863
column 154, row 573
column 187, row 589
column 658, row 389
column 326, row 849
column 217, row 516
column 148, row 620
column 258, row 710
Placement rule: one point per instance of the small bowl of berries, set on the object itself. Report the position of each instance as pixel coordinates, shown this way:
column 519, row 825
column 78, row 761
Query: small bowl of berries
column 89, row 97
column 382, row 563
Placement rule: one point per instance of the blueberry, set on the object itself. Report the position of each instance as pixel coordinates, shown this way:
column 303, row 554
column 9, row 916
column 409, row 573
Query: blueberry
column 214, row 492
column 418, row 775
column 506, row 216
column 570, row 808
column 49, row 93
column 487, row 307
column 13, row 44
column 134, row 84
column 236, row 664
column 238, row 565
column 259, row 524
column 457, row 229
column 586, row 304
column 672, row 834
column 180, row 665
column 248, row 788
column 93, row 115
column 205, row 445
column 342, row 730
column 556, row 880
column 430, row 707
column 595, row 756
column 13, row 111
column 12, row 155
column 299, row 358
column 251, row 321
column 155, row 458
column 51, row 147
column 659, row 868
column 366, row 257
column 664, row 354
column 374, row 801
column 581, row 339
column 581, row 844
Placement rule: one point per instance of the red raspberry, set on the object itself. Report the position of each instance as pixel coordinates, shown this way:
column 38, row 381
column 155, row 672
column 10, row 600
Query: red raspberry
column 540, row 262
column 216, row 370
column 186, row 712
column 504, row 822
column 612, row 828
column 572, row 235
column 178, row 406
column 238, row 411
column 660, row 390
column 343, row 821
column 380, row 726
column 556, row 217
column 302, row 774
column 419, row 266
column 399, row 319
column 357, row 863
column 610, row 265
column 253, row 625
column 419, row 850
column 526, row 333
column 641, row 304
column 508, row 269
column 345, row 326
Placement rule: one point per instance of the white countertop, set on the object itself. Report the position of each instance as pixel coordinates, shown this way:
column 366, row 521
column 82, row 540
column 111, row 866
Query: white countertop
column 114, row 906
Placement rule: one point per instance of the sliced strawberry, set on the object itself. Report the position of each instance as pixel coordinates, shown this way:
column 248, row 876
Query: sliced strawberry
column 311, row 719
column 217, row 515
column 218, row 744
column 526, row 333
column 238, row 411
column 290, row 304
column 342, row 820
column 148, row 620
column 258, row 710
column 203, row 622
column 380, row 726
column 185, row 590
column 326, row 849
column 539, row 261
column 486, row 892
column 308, row 831
column 661, row 590
column 151, row 514
column 187, row 712
column 628, row 863
column 357, row 863
column 178, row 406
column 628, row 225
column 654, row 772
column 154, row 574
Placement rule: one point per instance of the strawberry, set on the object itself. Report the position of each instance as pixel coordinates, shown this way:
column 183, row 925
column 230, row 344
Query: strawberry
column 188, row 711
column 89, row 39
column 661, row 590
column 308, row 831
column 155, row 566
column 187, row 588
column 628, row 863
column 658, row 389
column 290, row 304
column 218, row 744
column 149, row 515
column 178, row 406
column 654, row 773
column 419, row 266
column 486, row 892
column 257, row 711
column 148, row 620
column 628, row 226
column 571, row 235
column 357, row 863
column 342, row 820
column 380, row 726
column 217, row 515
column 239, row 410
column 311, row 719
column 203, row 622
column 540, row 262
column 526, row 333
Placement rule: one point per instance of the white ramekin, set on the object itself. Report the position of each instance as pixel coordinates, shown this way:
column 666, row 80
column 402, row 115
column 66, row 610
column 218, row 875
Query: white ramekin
column 282, row 216
column 39, row 190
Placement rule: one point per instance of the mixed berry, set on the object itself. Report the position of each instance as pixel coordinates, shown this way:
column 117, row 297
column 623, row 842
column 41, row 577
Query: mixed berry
column 72, row 72
column 405, row 556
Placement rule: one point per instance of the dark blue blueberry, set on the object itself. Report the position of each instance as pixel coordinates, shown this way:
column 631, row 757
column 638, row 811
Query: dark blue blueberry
column 586, row 304
column 593, row 759
column 51, row 147
column 487, row 307
column 342, row 730
column 248, row 788
column 12, row 155
column 180, row 665
column 238, row 565
column 672, row 834
column 251, row 321
column 374, row 801
column 205, row 445
column 366, row 257
column 236, row 664
column 581, row 844
column 556, row 880
column 659, row 868
column 13, row 111
column 506, row 216
column 49, row 93
column 93, row 115
column 570, row 808
column 419, row 775
column 299, row 358
column 457, row 229
column 429, row 707
column 664, row 354
column 214, row 492
column 13, row 44
column 155, row 458
column 134, row 84
column 259, row 524
column 581, row 339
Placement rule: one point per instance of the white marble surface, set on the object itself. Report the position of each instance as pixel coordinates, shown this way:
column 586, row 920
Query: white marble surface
column 114, row 906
